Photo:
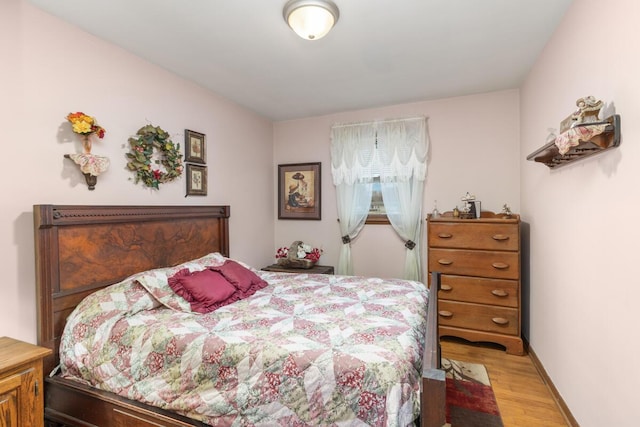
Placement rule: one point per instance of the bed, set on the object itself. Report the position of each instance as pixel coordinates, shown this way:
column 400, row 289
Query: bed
column 84, row 253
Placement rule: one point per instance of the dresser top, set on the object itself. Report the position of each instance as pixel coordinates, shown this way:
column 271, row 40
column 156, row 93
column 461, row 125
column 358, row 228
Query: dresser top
column 485, row 216
column 14, row 352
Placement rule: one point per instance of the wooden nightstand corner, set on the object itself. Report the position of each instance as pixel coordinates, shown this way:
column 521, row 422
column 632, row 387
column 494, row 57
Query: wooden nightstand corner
column 21, row 383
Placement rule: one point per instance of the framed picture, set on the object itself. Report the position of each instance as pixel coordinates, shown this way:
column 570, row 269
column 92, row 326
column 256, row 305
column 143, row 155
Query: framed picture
column 299, row 191
column 196, row 180
column 194, row 147
column 377, row 211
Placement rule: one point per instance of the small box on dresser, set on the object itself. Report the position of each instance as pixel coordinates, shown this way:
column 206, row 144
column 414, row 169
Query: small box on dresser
column 21, row 383
column 479, row 259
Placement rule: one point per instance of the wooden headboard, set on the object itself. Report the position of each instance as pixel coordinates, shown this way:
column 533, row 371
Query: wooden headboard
column 80, row 249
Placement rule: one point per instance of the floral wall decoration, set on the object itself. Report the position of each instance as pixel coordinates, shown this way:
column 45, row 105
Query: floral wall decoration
column 90, row 165
column 153, row 157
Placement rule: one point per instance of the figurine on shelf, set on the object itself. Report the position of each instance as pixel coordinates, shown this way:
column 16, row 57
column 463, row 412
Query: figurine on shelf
column 506, row 211
column 588, row 110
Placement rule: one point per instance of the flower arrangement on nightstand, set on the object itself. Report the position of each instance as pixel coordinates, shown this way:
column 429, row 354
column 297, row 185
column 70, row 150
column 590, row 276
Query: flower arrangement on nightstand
column 298, row 255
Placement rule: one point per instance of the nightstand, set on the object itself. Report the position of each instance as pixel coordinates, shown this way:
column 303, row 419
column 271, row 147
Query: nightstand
column 21, row 383
column 316, row 269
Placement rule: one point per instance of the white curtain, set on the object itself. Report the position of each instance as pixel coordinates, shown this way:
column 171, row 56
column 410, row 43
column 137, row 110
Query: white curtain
column 352, row 150
column 402, row 154
column 396, row 151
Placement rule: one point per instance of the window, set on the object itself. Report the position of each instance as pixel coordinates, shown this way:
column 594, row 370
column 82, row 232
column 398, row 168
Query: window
column 394, row 152
column 377, row 211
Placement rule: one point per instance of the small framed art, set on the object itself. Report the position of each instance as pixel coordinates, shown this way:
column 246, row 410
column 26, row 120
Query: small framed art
column 299, row 191
column 196, row 180
column 194, row 147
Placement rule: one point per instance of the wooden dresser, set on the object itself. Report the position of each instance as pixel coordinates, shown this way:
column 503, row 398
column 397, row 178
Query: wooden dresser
column 479, row 260
column 21, row 384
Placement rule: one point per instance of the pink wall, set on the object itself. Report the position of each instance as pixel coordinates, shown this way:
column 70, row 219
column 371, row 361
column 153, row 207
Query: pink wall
column 473, row 147
column 582, row 248
column 584, row 233
column 50, row 69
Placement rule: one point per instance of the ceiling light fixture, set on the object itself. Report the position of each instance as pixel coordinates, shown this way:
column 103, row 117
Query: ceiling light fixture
column 311, row 19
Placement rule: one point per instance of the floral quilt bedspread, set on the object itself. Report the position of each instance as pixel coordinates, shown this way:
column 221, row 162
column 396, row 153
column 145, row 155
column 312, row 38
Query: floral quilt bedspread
column 305, row 350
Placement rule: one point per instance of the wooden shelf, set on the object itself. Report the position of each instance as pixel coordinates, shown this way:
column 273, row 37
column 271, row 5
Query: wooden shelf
column 610, row 138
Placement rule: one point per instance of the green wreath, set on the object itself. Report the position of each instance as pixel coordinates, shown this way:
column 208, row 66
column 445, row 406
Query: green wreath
column 148, row 139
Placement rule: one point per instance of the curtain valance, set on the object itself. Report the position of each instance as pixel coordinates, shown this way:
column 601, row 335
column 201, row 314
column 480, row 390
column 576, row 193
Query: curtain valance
column 391, row 149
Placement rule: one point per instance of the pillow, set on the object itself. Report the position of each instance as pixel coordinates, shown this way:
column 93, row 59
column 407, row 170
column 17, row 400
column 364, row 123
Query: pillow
column 241, row 277
column 156, row 281
column 205, row 290
column 202, row 263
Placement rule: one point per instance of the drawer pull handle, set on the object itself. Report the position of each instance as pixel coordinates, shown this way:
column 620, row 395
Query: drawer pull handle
column 500, row 321
column 445, row 288
column 445, row 262
column 445, row 235
column 500, row 237
column 500, row 265
column 500, row 293
column 444, row 313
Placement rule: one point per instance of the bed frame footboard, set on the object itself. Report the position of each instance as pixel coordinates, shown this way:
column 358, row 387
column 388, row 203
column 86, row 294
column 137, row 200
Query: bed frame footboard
column 433, row 398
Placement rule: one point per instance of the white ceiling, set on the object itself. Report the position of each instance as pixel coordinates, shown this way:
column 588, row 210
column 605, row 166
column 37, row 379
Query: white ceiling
column 381, row 52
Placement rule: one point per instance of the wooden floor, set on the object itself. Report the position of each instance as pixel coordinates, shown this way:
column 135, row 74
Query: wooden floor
column 523, row 397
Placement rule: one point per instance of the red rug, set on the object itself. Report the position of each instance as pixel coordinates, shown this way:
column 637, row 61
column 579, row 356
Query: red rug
column 470, row 398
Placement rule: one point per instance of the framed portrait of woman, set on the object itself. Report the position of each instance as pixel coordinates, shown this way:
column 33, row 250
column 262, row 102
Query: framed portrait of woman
column 299, row 191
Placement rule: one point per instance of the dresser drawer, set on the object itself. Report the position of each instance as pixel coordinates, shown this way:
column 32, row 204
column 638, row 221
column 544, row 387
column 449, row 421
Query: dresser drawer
column 480, row 290
column 479, row 317
column 494, row 264
column 470, row 235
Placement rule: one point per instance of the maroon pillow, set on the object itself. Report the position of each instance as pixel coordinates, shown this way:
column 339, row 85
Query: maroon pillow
column 241, row 277
column 205, row 290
